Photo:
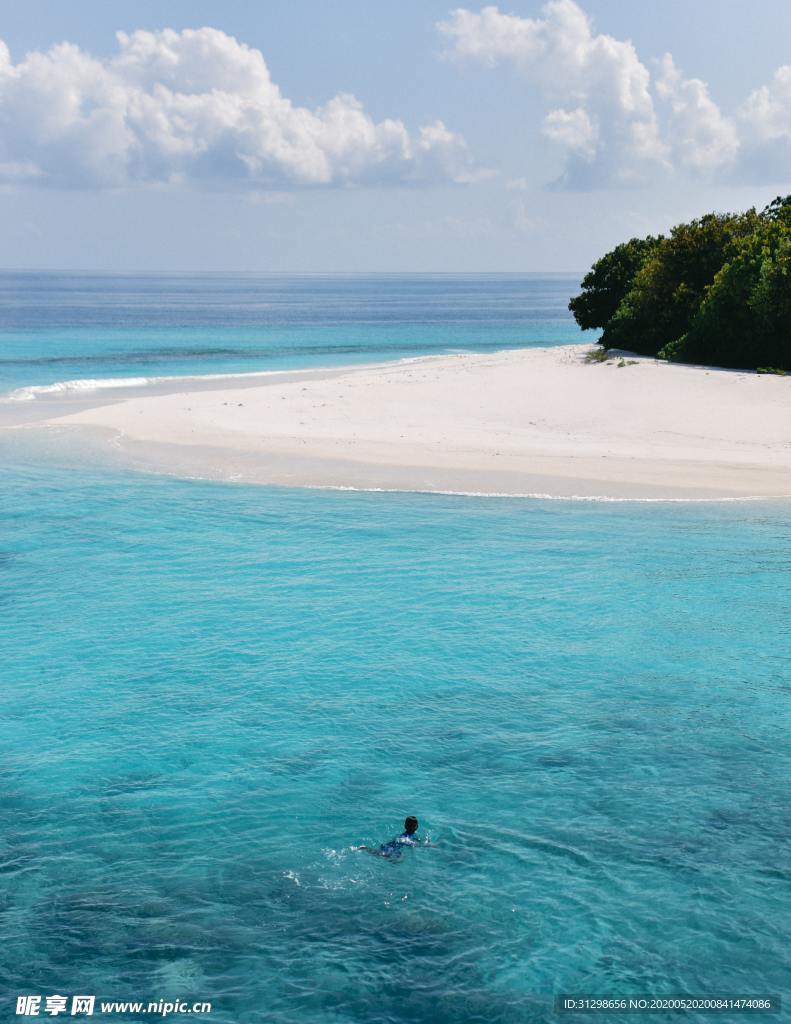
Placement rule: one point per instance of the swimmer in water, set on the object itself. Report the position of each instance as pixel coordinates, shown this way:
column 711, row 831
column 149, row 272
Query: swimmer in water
column 395, row 847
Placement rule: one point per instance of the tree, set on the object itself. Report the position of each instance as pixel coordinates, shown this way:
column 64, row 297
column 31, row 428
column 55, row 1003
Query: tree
column 745, row 317
column 716, row 290
column 778, row 209
column 606, row 283
column 670, row 285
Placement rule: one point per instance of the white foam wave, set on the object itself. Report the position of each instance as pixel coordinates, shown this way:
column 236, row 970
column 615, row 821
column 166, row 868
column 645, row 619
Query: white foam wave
column 542, row 496
column 239, row 478
column 89, row 384
column 65, row 387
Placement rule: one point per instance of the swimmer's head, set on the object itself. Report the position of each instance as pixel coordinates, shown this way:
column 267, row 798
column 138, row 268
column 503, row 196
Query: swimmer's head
column 410, row 825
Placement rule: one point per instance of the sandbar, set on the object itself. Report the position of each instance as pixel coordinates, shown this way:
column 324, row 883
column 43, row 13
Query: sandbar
column 535, row 421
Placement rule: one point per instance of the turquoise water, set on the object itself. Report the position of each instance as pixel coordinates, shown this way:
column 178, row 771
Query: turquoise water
column 56, row 327
column 212, row 692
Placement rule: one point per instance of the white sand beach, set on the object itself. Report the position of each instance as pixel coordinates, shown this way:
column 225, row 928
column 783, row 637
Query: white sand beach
column 529, row 421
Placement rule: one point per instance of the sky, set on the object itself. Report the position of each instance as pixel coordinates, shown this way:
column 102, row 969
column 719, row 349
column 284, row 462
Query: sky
column 300, row 135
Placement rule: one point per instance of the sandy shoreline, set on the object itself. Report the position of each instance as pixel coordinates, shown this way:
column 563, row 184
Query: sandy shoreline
column 528, row 421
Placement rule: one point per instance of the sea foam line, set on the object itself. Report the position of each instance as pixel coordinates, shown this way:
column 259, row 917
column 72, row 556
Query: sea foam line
column 539, row 495
column 89, row 384
column 238, row 478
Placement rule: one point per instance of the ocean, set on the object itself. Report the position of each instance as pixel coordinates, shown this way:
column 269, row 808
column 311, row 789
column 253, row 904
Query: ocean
column 62, row 327
column 213, row 692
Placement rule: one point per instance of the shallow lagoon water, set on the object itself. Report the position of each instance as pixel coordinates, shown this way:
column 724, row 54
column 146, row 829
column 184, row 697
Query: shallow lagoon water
column 212, row 692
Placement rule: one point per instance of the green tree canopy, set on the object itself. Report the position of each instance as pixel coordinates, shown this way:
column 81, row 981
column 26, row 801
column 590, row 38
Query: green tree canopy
column 745, row 317
column 716, row 290
column 606, row 283
column 670, row 285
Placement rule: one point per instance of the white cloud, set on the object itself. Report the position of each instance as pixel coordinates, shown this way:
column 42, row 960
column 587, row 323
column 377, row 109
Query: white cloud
column 610, row 121
column 605, row 119
column 767, row 111
column 764, row 124
column 572, row 129
column 702, row 137
column 197, row 106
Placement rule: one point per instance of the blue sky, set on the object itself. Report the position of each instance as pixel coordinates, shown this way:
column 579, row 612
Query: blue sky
column 358, row 136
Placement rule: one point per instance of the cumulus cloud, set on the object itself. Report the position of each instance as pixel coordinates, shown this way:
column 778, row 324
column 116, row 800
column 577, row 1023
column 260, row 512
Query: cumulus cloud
column 765, row 125
column 603, row 116
column 767, row 110
column 197, row 106
column 574, row 130
column 613, row 122
column 702, row 137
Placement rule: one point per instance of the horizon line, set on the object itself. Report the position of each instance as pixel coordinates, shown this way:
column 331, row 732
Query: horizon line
column 285, row 273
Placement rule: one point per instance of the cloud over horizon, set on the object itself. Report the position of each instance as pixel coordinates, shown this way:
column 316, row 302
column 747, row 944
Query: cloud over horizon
column 613, row 122
column 197, row 106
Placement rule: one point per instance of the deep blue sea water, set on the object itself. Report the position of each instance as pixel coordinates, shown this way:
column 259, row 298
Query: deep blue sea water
column 211, row 692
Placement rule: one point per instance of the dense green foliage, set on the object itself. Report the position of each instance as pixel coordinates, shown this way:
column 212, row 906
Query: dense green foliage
column 715, row 291
column 608, row 281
